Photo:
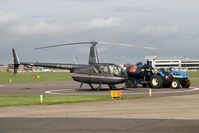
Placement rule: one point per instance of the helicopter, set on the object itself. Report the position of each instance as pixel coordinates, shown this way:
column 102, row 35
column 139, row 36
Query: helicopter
column 92, row 73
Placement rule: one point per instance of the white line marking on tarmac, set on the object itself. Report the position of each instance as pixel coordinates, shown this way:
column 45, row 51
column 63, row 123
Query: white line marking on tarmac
column 167, row 92
column 57, row 92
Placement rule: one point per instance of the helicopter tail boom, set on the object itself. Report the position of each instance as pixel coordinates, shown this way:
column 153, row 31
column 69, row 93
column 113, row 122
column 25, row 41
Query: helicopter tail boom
column 17, row 63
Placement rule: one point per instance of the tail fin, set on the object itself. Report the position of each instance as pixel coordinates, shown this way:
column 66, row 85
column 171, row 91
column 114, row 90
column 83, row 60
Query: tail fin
column 16, row 61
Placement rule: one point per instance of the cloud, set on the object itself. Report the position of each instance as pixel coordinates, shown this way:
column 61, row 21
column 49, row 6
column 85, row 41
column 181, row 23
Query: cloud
column 104, row 23
column 82, row 0
column 159, row 30
column 134, row 8
column 42, row 27
column 12, row 23
column 195, row 40
column 7, row 18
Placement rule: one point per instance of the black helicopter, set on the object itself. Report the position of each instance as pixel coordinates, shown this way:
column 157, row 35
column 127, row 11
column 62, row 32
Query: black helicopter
column 91, row 73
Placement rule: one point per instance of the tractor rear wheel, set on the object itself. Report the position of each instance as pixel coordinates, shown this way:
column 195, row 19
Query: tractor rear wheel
column 156, row 81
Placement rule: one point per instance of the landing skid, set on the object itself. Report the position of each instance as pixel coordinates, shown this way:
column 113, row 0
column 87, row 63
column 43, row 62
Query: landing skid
column 91, row 86
column 112, row 86
column 97, row 88
column 80, row 87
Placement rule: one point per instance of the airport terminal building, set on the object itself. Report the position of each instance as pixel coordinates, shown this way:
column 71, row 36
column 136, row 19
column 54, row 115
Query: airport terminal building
column 184, row 64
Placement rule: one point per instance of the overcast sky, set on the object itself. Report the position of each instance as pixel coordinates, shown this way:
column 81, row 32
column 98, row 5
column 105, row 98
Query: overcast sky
column 171, row 25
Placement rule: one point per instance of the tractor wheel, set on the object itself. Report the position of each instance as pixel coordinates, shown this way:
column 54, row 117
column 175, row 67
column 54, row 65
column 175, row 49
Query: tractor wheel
column 134, row 84
column 128, row 83
column 156, row 81
column 131, row 84
column 175, row 84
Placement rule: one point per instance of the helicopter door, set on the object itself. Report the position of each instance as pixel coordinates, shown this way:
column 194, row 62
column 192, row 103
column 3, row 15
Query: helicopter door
column 114, row 70
column 105, row 69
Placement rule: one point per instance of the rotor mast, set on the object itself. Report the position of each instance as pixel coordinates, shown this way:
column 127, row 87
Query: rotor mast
column 93, row 56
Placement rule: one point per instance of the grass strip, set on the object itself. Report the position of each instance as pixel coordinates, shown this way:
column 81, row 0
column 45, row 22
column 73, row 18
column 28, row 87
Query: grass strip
column 54, row 99
column 194, row 77
column 27, row 77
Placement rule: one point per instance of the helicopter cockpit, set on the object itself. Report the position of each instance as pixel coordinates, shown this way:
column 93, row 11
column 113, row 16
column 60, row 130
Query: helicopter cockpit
column 103, row 69
column 110, row 69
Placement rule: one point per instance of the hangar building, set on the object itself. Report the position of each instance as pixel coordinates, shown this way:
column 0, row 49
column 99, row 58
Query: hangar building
column 174, row 63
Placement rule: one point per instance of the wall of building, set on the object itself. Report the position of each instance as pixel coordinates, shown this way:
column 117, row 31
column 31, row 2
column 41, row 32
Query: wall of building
column 174, row 63
column 3, row 68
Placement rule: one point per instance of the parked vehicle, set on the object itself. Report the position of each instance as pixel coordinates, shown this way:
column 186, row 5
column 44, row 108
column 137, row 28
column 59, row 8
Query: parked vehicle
column 146, row 76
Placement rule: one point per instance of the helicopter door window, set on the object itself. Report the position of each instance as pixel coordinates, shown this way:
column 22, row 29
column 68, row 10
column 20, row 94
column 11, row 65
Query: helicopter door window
column 95, row 70
column 114, row 70
column 104, row 69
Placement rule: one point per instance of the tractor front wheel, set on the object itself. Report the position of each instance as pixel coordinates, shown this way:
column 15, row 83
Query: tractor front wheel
column 175, row 84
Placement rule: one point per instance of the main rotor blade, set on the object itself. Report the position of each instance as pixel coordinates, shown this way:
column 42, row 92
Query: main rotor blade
column 128, row 45
column 104, row 43
column 75, row 43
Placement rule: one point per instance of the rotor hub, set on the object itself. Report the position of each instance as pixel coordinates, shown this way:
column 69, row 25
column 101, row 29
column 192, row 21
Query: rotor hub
column 94, row 43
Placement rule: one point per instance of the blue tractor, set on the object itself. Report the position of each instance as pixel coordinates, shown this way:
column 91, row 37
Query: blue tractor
column 146, row 76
